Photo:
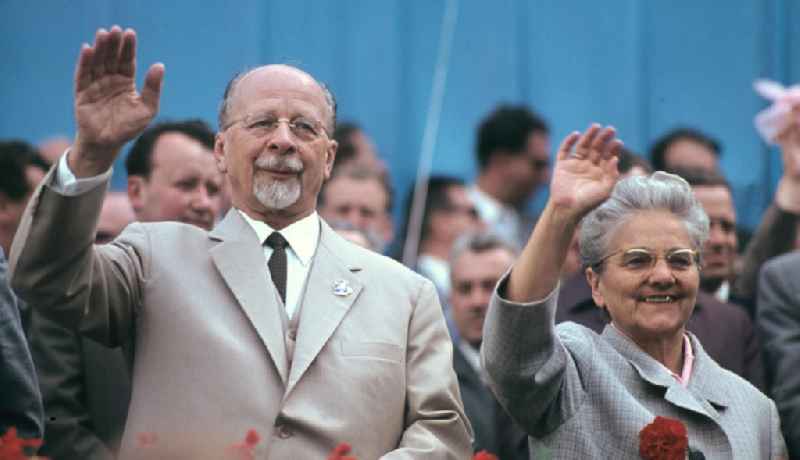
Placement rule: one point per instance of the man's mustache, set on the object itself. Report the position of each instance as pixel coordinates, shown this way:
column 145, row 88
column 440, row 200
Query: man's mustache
column 279, row 163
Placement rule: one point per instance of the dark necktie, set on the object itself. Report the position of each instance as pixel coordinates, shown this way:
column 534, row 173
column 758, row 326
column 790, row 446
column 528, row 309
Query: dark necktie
column 277, row 262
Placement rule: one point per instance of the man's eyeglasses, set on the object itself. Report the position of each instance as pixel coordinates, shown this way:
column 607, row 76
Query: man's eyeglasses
column 540, row 165
column 260, row 125
column 642, row 259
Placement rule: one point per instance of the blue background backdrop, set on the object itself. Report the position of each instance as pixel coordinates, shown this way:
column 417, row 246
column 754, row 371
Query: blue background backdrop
column 643, row 66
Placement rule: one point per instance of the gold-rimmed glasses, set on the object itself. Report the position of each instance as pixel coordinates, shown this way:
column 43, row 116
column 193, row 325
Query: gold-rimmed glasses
column 644, row 259
column 264, row 124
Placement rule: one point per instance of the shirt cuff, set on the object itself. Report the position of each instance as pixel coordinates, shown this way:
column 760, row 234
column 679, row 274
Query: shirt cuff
column 65, row 183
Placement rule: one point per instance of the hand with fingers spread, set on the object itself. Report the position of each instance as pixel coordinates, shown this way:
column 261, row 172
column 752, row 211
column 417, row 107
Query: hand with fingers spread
column 583, row 177
column 108, row 109
column 585, row 169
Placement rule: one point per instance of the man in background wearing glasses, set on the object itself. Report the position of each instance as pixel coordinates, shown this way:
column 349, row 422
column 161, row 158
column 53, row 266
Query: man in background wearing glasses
column 513, row 153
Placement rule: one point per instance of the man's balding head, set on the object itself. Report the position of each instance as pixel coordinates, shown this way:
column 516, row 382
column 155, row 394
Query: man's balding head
column 275, row 71
column 275, row 142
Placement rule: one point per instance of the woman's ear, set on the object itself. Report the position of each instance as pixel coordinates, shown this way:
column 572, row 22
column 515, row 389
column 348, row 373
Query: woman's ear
column 594, row 282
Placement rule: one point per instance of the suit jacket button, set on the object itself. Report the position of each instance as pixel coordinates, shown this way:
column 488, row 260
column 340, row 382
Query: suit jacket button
column 283, row 431
column 292, row 334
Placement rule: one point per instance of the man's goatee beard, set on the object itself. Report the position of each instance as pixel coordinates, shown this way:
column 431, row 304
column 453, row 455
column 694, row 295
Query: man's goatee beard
column 277, row 194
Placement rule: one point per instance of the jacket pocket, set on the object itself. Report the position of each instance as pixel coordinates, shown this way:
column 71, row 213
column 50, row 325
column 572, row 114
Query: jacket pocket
column 371, row 350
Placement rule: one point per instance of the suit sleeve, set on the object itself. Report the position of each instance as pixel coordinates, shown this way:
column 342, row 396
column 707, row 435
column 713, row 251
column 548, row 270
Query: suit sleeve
column 69, row 431
column 773, row 237
column 435, row 424
column 779, row 323
column 530, row 371
column 58, row 270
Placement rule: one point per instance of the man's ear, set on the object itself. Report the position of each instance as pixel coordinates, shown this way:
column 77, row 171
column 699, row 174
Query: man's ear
column 330, row 153
column 136, row 193
column 594, row 282
column 219, row 153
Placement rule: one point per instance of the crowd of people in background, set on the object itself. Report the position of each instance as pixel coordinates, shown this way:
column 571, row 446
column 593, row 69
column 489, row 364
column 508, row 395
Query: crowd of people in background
column 74, row 392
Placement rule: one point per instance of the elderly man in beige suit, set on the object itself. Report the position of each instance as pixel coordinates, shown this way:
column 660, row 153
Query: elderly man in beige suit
column 308, row 339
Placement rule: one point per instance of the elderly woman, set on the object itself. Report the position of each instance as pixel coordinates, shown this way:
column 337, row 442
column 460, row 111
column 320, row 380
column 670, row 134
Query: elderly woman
column 583, row 395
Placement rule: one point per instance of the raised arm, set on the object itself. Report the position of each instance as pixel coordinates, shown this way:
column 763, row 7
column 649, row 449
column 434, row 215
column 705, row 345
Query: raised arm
column 527, row 367
column 583, row 177
column 777, row 231
column 53, row 260
column 108, row 109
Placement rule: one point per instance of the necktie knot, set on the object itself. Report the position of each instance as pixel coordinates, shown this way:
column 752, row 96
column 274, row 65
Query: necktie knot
column 276, row 241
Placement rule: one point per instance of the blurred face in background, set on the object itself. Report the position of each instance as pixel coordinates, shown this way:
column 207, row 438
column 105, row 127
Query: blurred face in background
column 459, row 217
column 473, row 276
column 688, row 154
column 115, row 215
column 11, row 210
column 184, row 184
column 361, row 202
column 719, row 251
column 525, row 172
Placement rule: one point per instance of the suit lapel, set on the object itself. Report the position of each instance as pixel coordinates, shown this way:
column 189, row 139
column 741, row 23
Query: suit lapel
column 322, row 308
column 240, row 260
column 653, row 372
column 464, row 371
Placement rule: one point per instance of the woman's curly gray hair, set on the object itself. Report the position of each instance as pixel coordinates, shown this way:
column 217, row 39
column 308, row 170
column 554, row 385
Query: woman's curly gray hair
column 659, row 191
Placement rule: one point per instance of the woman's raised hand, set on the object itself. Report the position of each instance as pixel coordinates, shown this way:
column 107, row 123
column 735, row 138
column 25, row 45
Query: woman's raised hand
column 586, row 170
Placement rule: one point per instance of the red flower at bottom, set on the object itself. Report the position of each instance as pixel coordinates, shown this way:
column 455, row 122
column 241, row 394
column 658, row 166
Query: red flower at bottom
column 245, row 450
column 340, row 452
column 484, row 455
column 663, row 439
column 14, row 448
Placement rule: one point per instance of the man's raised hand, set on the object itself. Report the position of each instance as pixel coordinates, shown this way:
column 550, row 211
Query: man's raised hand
column 108, row 109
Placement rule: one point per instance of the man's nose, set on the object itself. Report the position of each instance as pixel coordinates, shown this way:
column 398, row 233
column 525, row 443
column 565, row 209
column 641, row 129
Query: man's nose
column 480, row 298
column 716, row 235
column 281, row 139
column 202, row 200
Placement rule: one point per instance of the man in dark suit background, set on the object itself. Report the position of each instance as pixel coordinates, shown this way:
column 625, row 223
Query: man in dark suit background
column 478, row 260
column 779, row 323
column 21, row 169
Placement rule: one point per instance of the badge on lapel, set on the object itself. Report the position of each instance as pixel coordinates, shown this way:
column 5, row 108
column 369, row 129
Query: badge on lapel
column 342, row 288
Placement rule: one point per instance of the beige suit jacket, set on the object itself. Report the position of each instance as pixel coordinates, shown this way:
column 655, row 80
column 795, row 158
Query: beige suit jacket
column 372, row 368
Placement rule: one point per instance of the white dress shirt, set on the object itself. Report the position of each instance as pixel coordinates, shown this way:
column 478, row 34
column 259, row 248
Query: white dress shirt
column 302, row 235
column 501, row 219
column 436, row 270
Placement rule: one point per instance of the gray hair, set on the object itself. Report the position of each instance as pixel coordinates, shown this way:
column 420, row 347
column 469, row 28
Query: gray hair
column 225, row 104
column 480, row 242
column 659, row 191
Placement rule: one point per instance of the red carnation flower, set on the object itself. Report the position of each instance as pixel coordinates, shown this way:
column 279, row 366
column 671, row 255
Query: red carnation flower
column 484, row 455
column 252, row 438
column 14, row 448
column 663, row 439
column 340, row 452
column 245, row 450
